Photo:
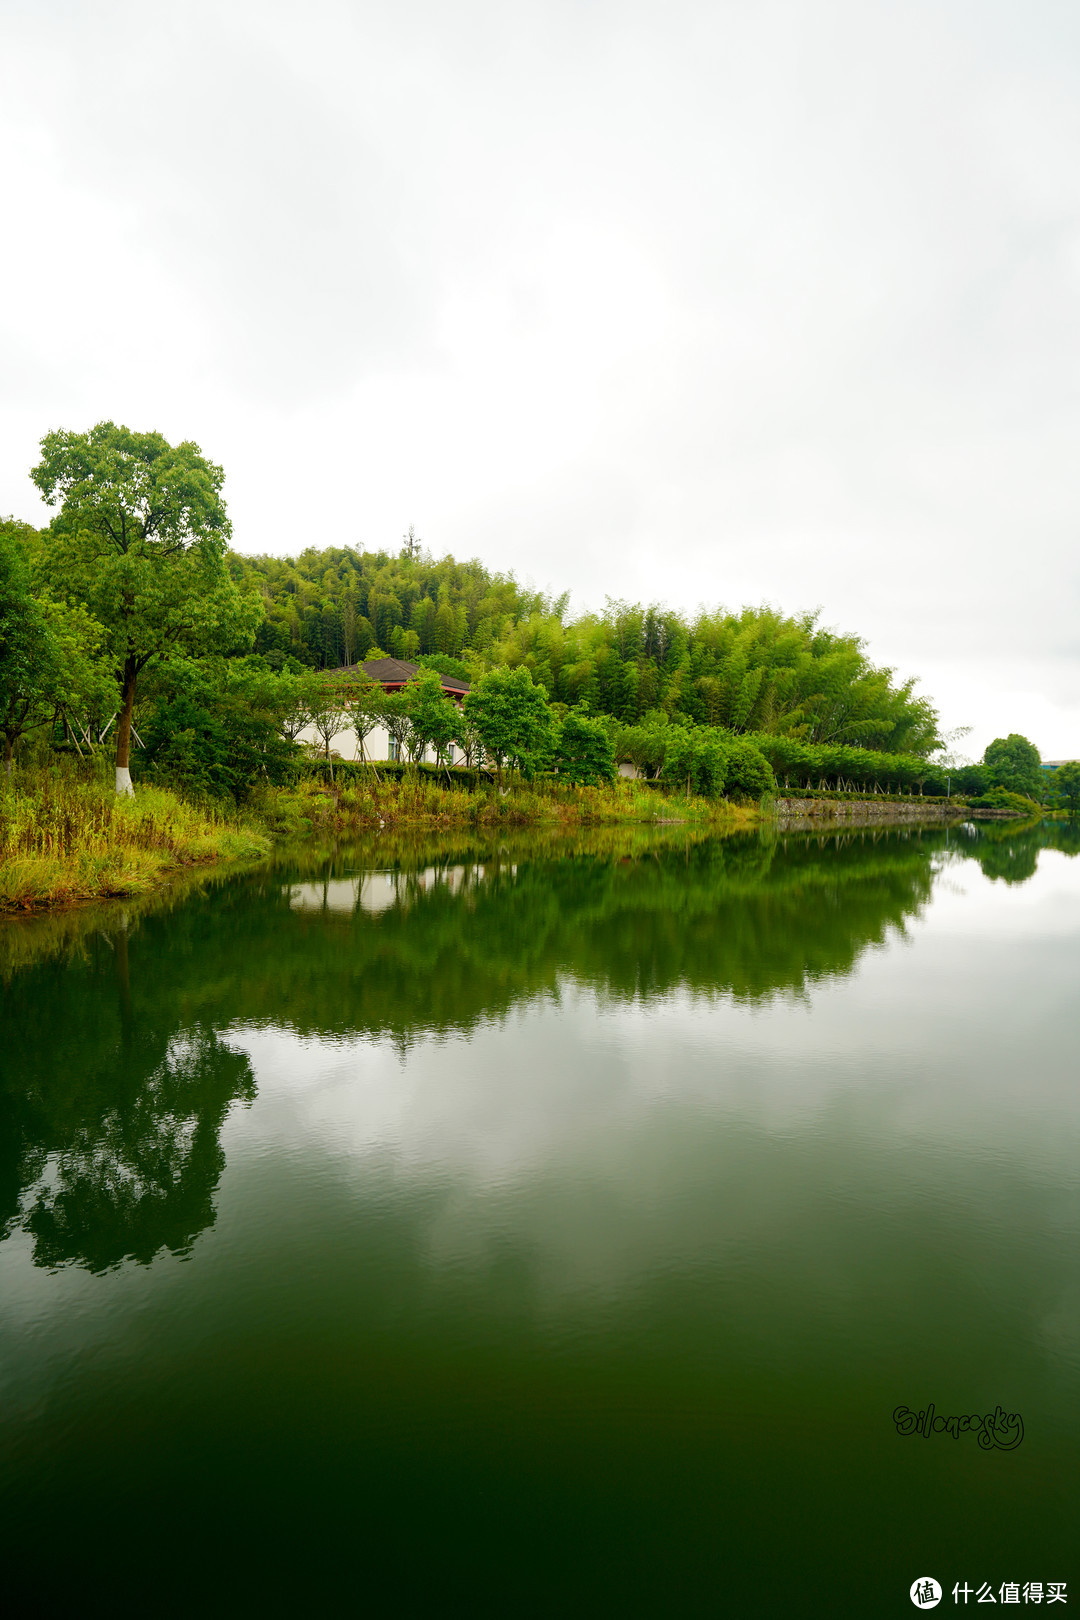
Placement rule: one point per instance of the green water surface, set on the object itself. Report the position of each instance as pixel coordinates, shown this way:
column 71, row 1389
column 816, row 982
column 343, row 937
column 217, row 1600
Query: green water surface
column 545, row 1228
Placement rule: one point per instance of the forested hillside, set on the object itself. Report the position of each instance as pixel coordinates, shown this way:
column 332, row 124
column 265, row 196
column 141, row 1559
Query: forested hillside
column 748, row 671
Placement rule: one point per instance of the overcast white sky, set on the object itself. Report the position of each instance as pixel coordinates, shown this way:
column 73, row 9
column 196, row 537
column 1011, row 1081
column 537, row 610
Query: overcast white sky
column 692, row 302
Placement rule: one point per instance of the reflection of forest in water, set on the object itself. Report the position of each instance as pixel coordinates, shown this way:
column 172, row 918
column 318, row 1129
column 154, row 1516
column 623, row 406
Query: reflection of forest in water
column 117, row 1081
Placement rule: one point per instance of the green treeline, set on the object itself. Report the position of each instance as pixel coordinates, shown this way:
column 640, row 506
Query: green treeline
column 754, row 670
column 130, row 612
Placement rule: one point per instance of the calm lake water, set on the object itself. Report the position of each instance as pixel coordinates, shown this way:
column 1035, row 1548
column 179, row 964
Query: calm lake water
column 546, row 1229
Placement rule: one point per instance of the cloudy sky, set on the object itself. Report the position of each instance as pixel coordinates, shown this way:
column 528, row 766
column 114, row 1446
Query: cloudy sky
column 695, row 302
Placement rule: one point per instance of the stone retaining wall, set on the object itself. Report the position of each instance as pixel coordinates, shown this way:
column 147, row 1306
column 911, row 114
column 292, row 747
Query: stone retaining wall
column 872, row 810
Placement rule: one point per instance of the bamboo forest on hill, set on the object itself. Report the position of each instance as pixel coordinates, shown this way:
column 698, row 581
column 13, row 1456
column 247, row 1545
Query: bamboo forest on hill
column 224, row 674
column 754, row 670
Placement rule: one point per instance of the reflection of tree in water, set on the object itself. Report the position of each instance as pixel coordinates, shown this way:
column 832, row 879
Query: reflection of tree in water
column 1009, row 851
column 115, row 1083
column 470, row 932
column 140, row 1175
column 1013, row 860
column 111, row 1110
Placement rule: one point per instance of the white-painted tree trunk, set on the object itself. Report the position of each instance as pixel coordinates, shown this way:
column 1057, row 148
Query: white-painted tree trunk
column 123, row 780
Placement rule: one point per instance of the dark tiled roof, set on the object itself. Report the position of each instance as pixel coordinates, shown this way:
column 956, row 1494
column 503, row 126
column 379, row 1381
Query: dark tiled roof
column 397, row 671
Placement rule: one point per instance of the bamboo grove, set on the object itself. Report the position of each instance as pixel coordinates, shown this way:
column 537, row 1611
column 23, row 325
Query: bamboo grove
column 756, row 670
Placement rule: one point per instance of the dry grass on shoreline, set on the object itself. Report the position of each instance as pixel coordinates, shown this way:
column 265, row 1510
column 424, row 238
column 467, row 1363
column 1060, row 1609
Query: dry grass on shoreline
column 65, row 836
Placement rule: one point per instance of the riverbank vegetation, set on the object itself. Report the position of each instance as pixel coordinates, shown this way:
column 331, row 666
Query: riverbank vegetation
column 65, row 835
column 127, row 626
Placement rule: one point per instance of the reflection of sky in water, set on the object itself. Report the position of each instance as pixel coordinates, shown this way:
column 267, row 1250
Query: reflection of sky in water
column 955, row 1032
column 591, row 1126
column 625, row 1194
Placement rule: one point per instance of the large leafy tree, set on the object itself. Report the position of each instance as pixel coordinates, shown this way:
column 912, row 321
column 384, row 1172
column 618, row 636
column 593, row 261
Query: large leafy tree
column 216, row 725
column 140, row 538
column 1013, row 763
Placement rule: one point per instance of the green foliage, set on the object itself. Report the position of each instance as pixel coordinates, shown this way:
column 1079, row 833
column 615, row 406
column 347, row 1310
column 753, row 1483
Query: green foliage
column 396, row 719
column 326, row 711
column 512, row 719
column 970, row 781
column 140, row 541
column 798, row 764
column 696, row 761
column 743, row 672
column 1065, row 786
column 749, row 774
column 214, row 727
column 364, row 703
column 432, row 715
column 50, row 651
column 1000, row 798
column 1013, row 763
column 454, row 667
column 584, row 752
column 644, row 745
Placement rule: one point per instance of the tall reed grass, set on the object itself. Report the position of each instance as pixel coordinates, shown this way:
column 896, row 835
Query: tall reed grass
column 64, row 835
column 422, row 801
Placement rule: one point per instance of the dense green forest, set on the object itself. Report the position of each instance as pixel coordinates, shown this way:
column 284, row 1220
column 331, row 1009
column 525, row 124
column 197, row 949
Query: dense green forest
column 131, row 611
column 751, row 670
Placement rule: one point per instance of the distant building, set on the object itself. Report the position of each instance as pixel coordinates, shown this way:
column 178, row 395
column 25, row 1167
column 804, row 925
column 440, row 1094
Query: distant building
column 392, row 674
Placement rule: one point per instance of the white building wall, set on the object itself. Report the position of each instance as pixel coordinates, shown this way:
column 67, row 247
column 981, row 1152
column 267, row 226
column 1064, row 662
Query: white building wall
column 376, row 745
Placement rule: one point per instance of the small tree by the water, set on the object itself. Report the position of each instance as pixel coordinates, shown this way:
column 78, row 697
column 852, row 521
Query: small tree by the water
column 328, row 717
column 1065, row 783
column 365, row 705
column 584, row 752
column 432, row 715
column 512, row 719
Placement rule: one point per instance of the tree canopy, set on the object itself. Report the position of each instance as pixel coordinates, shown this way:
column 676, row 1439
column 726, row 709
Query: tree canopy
column 751, row 670
column 1014, row 764
column 512, row 719
column 1066, row 786
column 140, row 540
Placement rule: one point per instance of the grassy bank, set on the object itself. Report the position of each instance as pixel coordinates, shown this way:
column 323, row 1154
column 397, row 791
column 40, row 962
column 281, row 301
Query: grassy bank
column 421, row 801
column 65, row 836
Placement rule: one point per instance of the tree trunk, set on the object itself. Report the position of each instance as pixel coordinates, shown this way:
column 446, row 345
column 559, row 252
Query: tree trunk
column 123, row 729
column 9, row 751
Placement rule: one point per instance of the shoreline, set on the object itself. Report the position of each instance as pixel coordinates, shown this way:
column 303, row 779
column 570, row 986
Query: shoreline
column 127, row 848
column 81, row 845
column 883, row 812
